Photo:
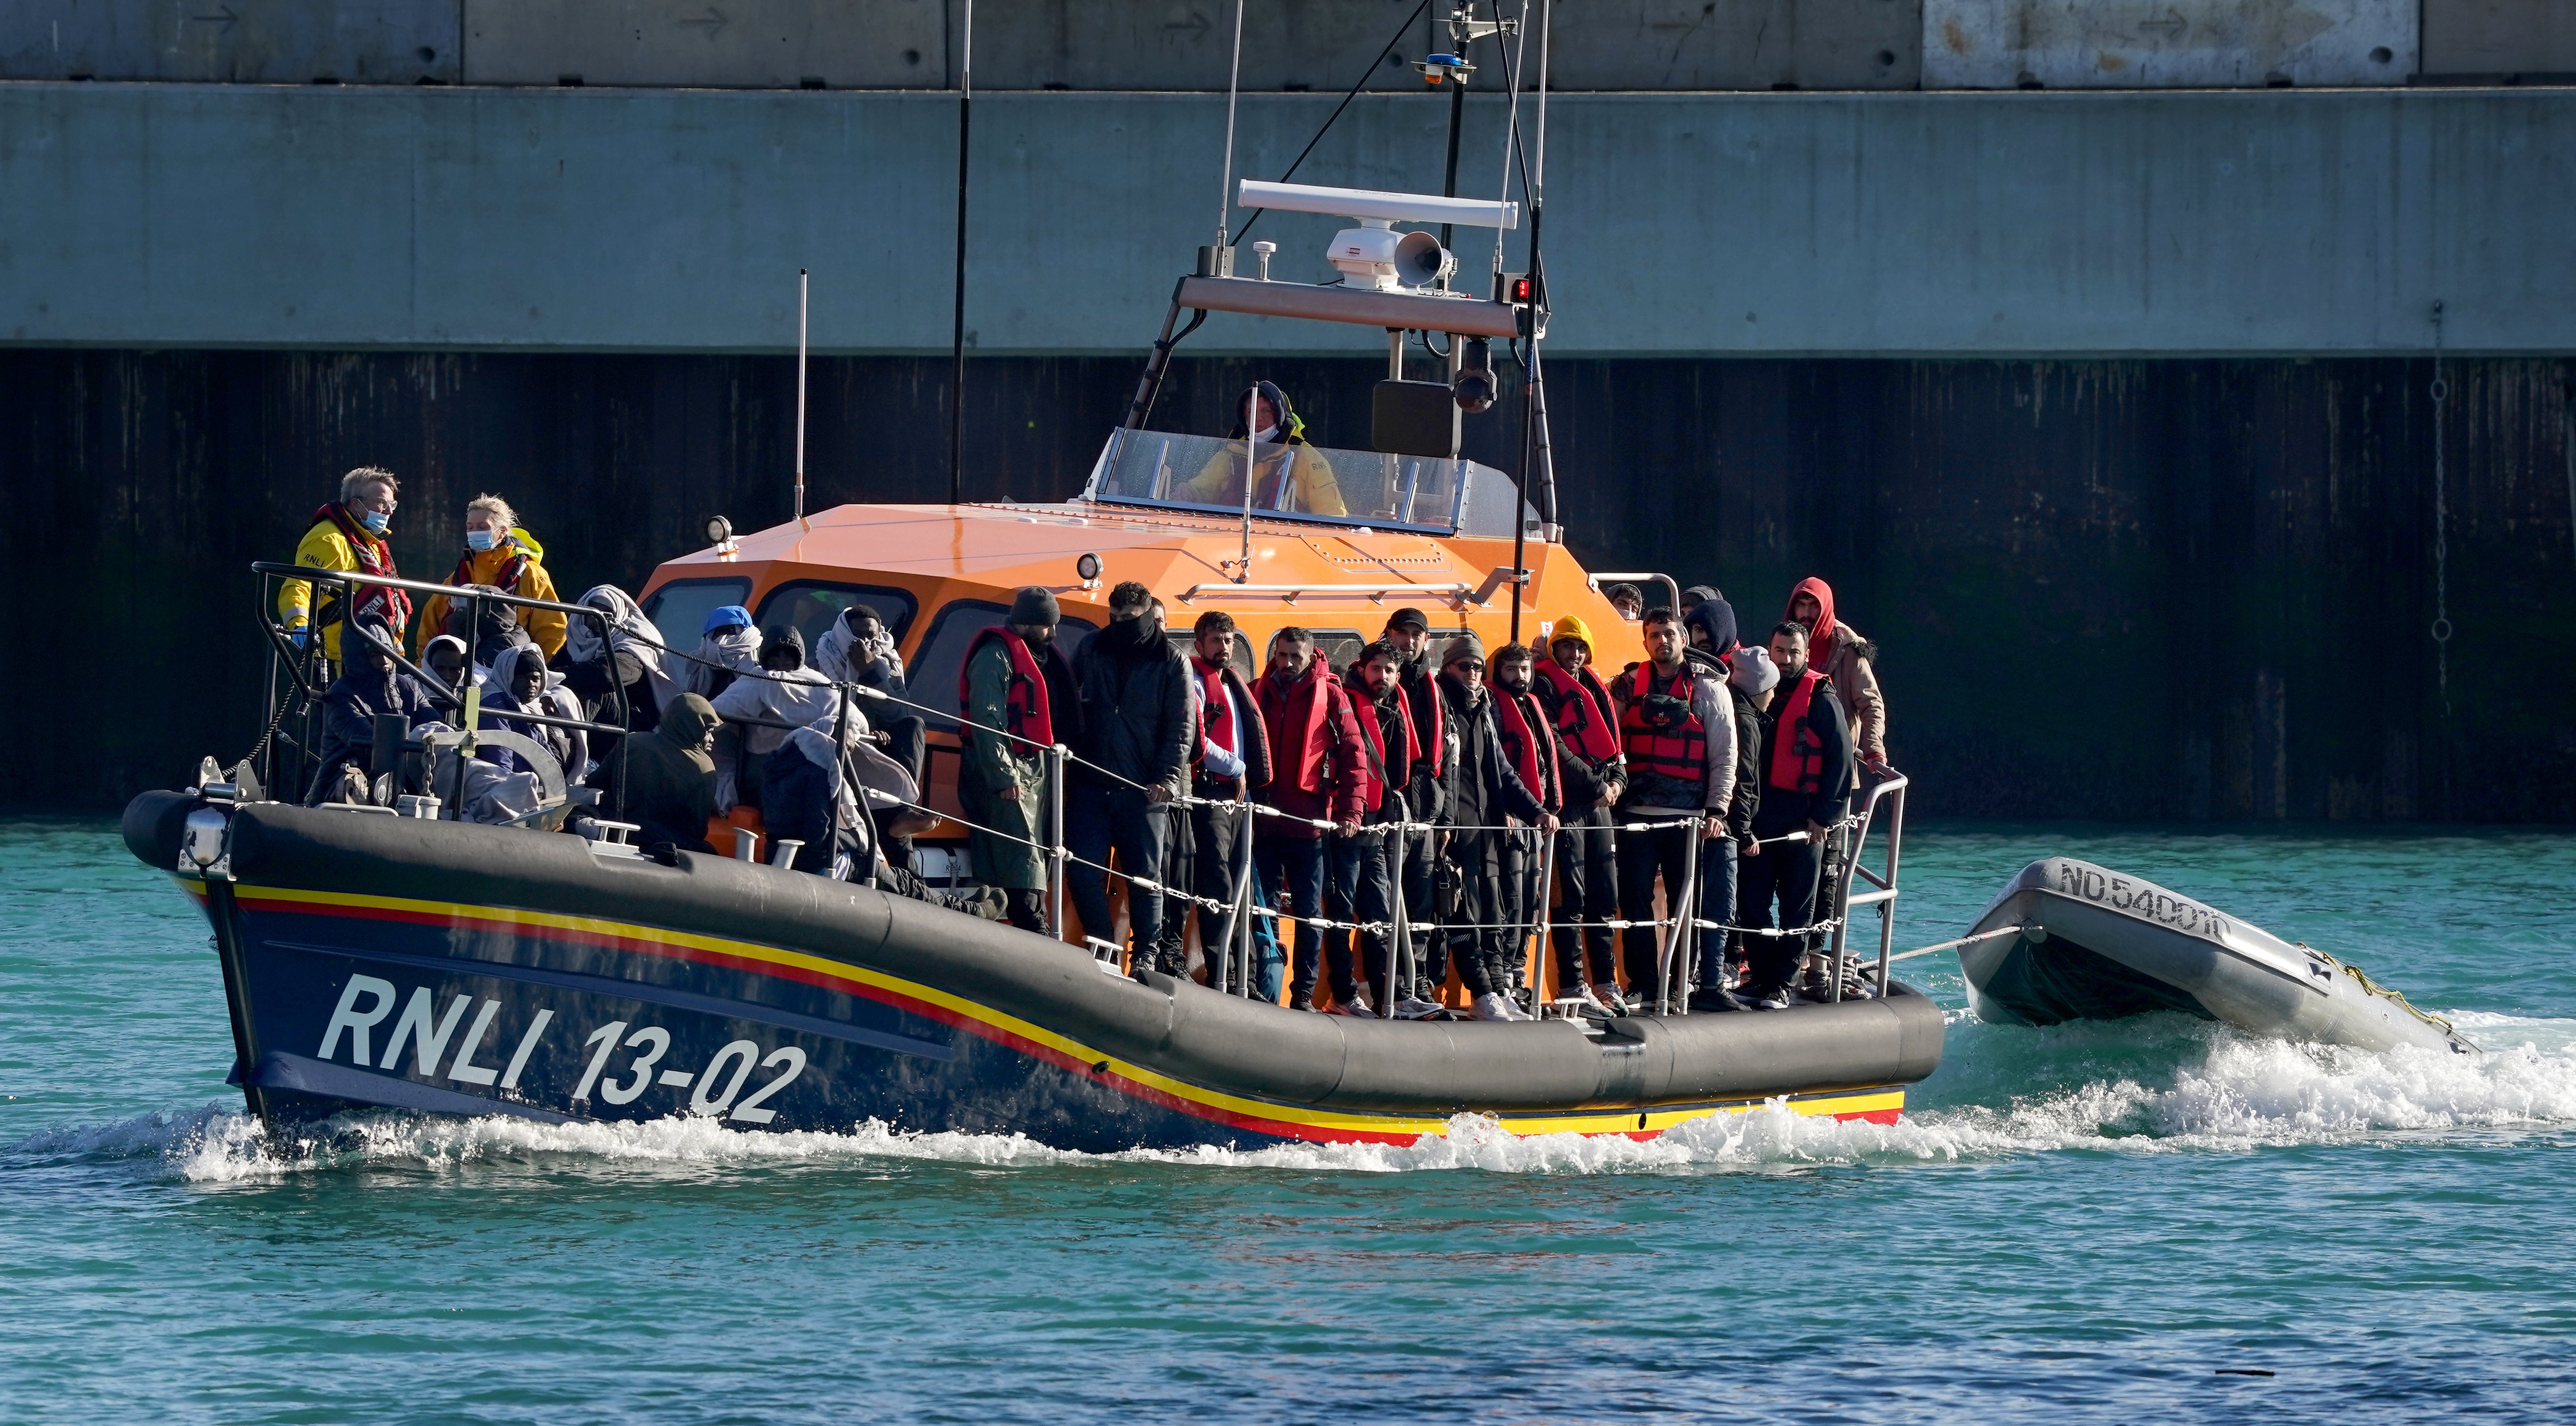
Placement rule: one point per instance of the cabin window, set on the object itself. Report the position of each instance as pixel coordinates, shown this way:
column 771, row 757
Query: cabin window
column 811, row 606
column 1185, row 643
column 680, row 608
column 934, row 666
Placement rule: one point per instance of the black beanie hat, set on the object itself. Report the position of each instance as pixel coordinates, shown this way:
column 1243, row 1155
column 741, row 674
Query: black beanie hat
column 1034, row 605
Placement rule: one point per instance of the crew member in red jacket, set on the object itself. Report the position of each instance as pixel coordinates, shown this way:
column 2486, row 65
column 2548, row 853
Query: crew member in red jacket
column 1318, row 772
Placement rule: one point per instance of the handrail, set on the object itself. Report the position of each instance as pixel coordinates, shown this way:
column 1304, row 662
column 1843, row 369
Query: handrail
column 352, row 576
column 1377, row 593
column 1892, row 792
column 1670, row 583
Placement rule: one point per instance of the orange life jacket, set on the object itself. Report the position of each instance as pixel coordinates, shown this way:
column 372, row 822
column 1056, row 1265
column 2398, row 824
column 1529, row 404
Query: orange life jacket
column 1674, row 744
column 1583, row 714
column 1797, row 756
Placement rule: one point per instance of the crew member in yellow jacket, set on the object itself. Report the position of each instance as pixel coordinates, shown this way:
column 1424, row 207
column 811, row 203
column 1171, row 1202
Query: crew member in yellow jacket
column 1289, row 476
column 499, row 553
column 348, row 534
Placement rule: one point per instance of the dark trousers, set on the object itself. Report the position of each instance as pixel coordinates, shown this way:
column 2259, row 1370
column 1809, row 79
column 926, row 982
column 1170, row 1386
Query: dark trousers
column 906, row 744
column 1416, row 878
column 1360, row 886
column 796, row 802
column 1587, row 875
column 1785, row 872
column 1480, row 938
column 1215, row 861
column 1293, row 868
column 1099, row 821
column 1667, row 851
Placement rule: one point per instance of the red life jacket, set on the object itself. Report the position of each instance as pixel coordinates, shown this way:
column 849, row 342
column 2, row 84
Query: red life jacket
column 1679, row 752
column 374, row 556
column 1583, row 713
column 1026, row 712
column 1373, row 786
column 1797, row 756
column 1435, row 744
column 1298, row 747
column 1523, row 722
column 1216, row 710
column 506, row 581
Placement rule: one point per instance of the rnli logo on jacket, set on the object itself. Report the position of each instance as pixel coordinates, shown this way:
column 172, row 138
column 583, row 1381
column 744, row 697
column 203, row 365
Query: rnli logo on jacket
column 2138, row 898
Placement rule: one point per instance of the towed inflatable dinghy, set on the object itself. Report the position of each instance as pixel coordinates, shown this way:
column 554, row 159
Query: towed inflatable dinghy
column 372, row 959
column 2093, row 944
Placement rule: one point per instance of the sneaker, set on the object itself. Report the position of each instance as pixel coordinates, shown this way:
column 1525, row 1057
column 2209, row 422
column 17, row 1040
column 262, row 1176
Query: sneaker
column 1302, row 1002
column 1414, row 1007
column 1714, row 999
column 1593, row 1004
column 1356, row 1007
column 1770, row 997
column 1490, row 1006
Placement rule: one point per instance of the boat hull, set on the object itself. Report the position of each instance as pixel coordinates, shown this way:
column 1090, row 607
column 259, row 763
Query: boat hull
column 428, row 966
column 2099, row 945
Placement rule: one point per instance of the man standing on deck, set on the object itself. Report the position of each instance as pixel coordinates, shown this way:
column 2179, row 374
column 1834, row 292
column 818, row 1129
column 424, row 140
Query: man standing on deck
column 1677, row 735
column 1232, row 761
column 1361, row 875
column 1318, row 773
column 1482, row 792
column 1587, row 730
column 349, row 534
column 1806, row 761
column 1413, row 855
column 1533, row 750
column 1015, row 683
column 1137, row 731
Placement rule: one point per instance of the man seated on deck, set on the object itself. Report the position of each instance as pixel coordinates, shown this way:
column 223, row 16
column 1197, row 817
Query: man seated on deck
column 797, row 780
column 349, row 534
column 1806, row 761
column 1289, row 475
column 1017, row 699
column 669, row 783
column 370, row 684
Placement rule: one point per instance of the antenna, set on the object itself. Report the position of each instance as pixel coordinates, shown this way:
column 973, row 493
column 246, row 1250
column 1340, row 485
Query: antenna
column 957, row 330
column 802, row 285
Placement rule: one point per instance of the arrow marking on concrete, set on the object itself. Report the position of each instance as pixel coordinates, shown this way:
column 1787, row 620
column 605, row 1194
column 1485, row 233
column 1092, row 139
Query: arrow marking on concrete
column 225, row 17
column 713, row 20
column 1196, row 21
column 2173, row 24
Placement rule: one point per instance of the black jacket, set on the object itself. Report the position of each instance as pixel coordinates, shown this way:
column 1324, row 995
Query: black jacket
column 1784, row 809
column 1392, row 714
column 1747, row 801
column 1553, row 755
column 1424, row 793
column 1135, row 706
column 1480, row 785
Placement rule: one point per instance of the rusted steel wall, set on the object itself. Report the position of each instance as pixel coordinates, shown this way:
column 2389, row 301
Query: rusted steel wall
column 2118, row 589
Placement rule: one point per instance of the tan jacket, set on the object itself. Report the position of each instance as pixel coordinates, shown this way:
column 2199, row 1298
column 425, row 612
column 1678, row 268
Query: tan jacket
column 1847, row 663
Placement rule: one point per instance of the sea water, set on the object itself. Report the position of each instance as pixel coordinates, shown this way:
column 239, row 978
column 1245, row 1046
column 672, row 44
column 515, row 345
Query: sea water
column 2158, row 1219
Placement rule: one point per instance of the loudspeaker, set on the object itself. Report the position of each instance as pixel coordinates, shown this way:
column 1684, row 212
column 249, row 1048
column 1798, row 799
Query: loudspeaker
column 1413, row 418
column 1421, row 261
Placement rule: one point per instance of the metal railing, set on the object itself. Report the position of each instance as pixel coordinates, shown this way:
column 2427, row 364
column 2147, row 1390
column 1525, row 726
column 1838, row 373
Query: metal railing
column 1677, row 958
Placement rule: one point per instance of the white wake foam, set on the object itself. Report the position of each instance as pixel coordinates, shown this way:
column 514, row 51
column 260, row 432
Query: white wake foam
column 2202, row 1088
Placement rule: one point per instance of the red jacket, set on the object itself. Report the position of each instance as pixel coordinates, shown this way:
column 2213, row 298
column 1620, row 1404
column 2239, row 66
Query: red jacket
column 1318, row 756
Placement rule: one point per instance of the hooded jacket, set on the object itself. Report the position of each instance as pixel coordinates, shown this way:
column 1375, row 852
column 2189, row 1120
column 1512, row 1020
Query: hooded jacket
column 515, row 558
column 670, row 787
column 1716, row 618
column 1838, row 651
column 840, row 658
column 633, row 645
column 571, row 746
column 1136, row 706
column 1291, row 476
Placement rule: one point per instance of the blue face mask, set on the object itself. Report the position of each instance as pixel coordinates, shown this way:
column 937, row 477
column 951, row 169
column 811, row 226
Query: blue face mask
column 377, row 521
column 478, row 539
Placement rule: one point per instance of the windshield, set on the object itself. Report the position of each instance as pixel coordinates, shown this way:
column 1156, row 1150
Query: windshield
column 1302, row 482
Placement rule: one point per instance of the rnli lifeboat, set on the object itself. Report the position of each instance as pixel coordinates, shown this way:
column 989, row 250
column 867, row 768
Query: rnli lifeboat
column 393, row 956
